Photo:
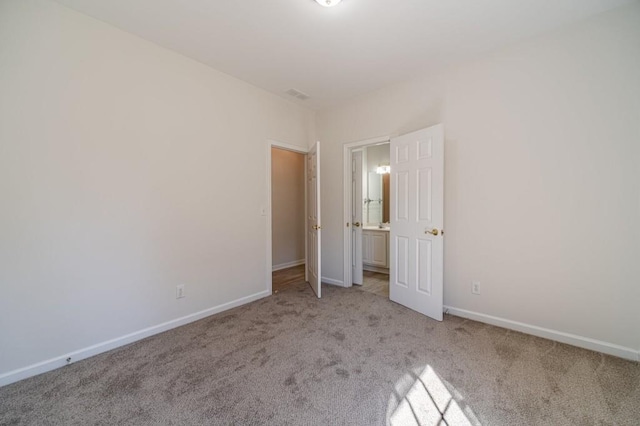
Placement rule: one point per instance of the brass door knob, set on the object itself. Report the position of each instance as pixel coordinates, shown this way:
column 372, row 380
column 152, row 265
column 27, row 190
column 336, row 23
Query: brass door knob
column 434, row 231
column 357, row 224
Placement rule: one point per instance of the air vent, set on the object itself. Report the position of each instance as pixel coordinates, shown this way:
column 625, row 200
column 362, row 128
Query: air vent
column 297, row 94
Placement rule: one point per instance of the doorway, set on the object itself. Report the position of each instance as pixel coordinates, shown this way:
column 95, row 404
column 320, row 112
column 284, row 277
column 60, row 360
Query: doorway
column 288, row 246
column 416, row 213
column 370, row 203
column 305, row 216
column 363, row 213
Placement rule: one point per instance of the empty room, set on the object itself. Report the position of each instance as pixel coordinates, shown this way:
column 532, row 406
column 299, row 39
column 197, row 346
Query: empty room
column 358, row 212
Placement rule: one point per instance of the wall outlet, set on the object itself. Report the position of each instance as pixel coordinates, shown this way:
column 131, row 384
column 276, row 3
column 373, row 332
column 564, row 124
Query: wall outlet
column 180, row 291
column 475, row 287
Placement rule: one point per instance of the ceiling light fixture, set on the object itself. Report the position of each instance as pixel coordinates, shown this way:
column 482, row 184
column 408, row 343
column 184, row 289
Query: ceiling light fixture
column 383, row 170
column 328, row 3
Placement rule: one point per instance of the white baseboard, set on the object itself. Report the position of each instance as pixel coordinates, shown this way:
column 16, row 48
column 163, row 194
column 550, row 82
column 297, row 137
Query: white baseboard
column 288, row 265
column 559, row 336
column 332, row 281
column 378, row 269
column 61, row 361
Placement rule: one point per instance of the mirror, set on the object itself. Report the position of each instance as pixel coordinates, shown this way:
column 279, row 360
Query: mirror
column 373, row 202
column 376, row 200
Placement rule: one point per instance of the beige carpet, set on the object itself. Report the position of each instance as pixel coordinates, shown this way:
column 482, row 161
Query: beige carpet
column 351, row 358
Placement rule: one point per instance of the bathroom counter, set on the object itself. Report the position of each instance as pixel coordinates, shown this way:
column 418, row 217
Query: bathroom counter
column 376, row 228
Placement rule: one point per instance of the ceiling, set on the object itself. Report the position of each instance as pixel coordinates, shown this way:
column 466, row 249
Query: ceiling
column 335, row 54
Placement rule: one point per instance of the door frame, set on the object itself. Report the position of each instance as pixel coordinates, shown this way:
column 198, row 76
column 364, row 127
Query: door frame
column 347, row 149
column 269, row 214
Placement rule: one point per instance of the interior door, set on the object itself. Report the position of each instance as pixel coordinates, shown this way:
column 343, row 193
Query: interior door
column 356, row 220
column 314, row 234
column 417, row 219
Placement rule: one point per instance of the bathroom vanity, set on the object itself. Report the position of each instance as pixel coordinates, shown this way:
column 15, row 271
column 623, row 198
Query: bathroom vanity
column 375, row 249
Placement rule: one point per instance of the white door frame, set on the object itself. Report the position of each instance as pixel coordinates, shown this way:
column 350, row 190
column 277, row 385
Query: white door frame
column 346, row 180
column 300, row 150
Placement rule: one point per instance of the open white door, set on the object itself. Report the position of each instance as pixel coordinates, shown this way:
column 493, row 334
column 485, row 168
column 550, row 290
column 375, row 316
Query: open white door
column 314, row 269
column 417, row 219
column 356, row 220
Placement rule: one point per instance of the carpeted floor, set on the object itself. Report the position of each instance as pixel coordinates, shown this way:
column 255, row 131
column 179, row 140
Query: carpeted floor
column 352, row 357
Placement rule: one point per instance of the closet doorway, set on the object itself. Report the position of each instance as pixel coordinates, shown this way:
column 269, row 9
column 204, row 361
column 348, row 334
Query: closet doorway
column 293, row 217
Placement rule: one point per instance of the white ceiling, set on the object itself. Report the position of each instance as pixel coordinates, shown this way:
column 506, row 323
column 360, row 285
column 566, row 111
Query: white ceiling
column 334, row 54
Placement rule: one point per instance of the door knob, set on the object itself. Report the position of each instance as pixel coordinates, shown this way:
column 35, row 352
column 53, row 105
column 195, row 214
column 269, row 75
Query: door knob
column 316, row 227
column 434, row 231
column 357, row 224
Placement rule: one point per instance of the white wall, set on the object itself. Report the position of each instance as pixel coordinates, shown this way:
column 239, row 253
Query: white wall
column 542, row 176
column 125, row 169
column 287, row 207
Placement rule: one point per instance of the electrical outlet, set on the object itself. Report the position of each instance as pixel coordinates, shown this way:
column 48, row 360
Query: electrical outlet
column 475, row 287
column 180, row 291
